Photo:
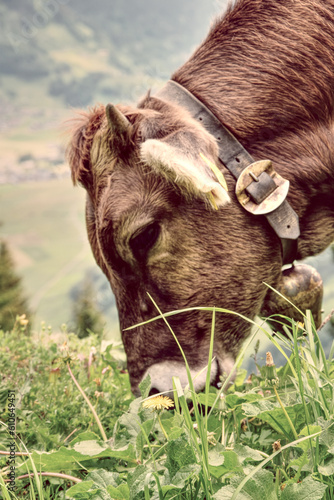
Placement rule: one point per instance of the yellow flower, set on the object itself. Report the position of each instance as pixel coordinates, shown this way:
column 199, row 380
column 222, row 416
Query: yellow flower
column 158, row 403
column 23, row 320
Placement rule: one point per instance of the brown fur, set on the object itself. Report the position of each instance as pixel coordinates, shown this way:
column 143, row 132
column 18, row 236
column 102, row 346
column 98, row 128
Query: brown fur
column 266, row 70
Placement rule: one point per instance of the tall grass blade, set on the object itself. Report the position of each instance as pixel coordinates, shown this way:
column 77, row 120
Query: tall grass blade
column 92, row 409
column 208, row 378
column 5, row 492
column 285, row 298
column 184, row 406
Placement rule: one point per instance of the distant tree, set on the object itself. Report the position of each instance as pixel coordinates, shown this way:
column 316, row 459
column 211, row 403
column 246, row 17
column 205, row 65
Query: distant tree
column 13, row 303
column 87, row 317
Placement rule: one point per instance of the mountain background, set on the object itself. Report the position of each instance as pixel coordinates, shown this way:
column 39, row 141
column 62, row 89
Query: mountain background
column 57, row 56
column 76, row 52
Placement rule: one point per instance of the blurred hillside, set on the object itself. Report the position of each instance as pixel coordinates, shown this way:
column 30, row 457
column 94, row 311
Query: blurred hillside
column 61, row 54
column 81, row 51
column 56, row 55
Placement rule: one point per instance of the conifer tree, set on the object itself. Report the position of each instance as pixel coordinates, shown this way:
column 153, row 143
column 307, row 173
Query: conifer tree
column 13, row 303
column 87, row 317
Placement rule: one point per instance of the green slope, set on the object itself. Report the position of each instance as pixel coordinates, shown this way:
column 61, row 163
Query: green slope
column 43, row 223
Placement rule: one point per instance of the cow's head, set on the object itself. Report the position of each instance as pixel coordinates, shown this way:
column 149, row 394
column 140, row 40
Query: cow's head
column 159, row 222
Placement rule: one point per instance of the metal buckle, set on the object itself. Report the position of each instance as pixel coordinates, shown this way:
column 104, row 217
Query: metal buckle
column 251, row 174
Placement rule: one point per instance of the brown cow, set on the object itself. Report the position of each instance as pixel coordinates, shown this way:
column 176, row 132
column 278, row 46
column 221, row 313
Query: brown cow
column 266, row 70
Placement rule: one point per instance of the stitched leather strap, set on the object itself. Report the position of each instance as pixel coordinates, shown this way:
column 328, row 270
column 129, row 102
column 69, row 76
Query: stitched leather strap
column 233, row 155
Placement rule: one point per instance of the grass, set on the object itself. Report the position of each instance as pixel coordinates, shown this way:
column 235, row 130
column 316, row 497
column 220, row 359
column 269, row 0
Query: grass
column 268, row 436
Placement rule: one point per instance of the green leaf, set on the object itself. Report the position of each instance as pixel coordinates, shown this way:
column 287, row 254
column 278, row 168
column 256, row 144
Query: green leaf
column 99, row 484
column 122, row 492
column 85, row 436
column 95, row 486
column 182, row 477
column 137, row 480
column 216, row 457
column 99, row 494
column 176, row 419
column 308, row 489
column 308, row 431
column 300, row 462
column 327, row 436
column 66, row 459
column 226, row 493
column 103, row 478
column 127, row 454
column 240, row 378
column 179, row 453
column 230, row 463
column 260, row 486
column 145, row 386
column 89, row 448
column 131, row 426
column 80, row 490
column 245, row 453
column 185, row 474
column 258, row 408
column 201, row 398
column 146, row 429
column 327, row 469
column 275, row 416
column 304, row 461
column 175, row 433
column 173, row 424
column 169, row 491
column 238, row 398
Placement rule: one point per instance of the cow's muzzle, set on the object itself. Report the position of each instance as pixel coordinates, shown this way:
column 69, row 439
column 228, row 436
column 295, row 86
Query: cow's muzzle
column 162, row 375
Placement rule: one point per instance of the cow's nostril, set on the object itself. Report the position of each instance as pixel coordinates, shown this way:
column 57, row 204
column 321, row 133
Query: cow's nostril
column 153, row 391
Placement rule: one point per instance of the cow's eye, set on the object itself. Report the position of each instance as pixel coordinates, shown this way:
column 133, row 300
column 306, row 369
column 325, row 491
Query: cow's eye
column 144, row 239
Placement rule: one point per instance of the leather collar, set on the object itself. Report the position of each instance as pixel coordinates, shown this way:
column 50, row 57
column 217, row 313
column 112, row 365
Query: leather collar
column 259, row 189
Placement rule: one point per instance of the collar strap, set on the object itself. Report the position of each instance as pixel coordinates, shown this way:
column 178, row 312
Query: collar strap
column 259, row 188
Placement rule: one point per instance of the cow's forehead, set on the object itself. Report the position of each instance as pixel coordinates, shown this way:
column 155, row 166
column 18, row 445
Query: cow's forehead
column 133, row 189
column 177, row 155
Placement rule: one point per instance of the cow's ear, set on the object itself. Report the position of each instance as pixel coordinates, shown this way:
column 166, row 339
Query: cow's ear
column 97, row 137
column 178, row 157
column 82, row 131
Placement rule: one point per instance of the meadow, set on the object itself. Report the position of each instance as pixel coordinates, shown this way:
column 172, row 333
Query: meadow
column 80, row 434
